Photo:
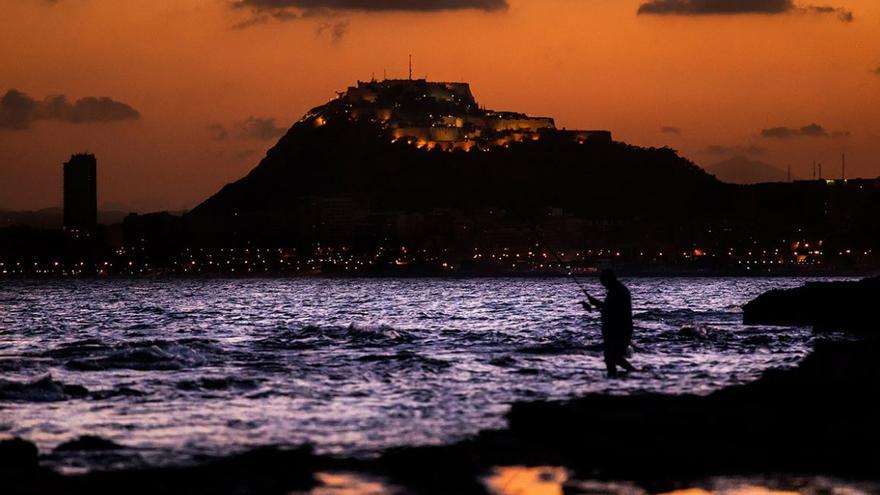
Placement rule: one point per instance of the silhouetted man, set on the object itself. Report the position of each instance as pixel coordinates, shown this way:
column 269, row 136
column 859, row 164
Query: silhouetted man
column 617, row 324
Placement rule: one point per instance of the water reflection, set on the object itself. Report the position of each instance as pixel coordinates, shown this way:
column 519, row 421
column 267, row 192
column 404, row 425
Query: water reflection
column 351, row 484
column 550, row 480
column 520, row 480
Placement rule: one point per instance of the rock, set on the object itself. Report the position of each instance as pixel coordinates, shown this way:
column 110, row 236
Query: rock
column 818, row 418
column 88, row 443
column 824, row 305
column 17, row 454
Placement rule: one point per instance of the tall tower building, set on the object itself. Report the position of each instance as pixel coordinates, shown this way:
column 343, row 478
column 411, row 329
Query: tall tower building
column 80, row 193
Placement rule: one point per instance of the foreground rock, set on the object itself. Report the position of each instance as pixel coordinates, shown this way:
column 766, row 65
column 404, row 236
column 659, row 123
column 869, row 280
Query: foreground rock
column 848, row 306
column 18, row 455
column 818, row 419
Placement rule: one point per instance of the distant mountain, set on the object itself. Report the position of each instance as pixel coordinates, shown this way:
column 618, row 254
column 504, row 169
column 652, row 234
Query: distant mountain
column 742, row 170
column 47, row 218
column 51, row 218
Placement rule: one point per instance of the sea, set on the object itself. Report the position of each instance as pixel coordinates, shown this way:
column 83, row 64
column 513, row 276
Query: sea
column 178, row 369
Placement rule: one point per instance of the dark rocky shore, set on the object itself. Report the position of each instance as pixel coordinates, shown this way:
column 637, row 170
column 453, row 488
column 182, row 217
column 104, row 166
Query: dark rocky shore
column 820, row 418
column 823, row 305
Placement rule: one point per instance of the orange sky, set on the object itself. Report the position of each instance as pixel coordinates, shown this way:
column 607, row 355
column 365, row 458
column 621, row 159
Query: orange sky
column 184, row 66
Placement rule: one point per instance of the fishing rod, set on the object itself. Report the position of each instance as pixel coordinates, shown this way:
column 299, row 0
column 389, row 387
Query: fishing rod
column 542, row 240
column 571, row 275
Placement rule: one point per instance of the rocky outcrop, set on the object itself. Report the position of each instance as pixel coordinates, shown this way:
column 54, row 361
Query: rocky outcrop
column 824, row 305
column 817, row 418
column 17, row 454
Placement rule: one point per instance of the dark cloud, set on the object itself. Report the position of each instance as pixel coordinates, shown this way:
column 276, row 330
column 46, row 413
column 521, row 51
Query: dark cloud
column 336, row 30
column 258, row 128
column 218, row 132
column 722, row 150
column 698, row 7
column 251, row 128
column 374, row 5
column 19, row 111
column 264, row 11
column 877, row 71
column 262, row 16
column 721, row 7
column 810, row 131
column 843, row 14
column 675, row 131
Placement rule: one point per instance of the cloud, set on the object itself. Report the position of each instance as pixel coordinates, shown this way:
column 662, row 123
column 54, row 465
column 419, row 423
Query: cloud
column 262, row 16
column 843, row 14
column 675, row 131
column 19, row 111
column 721, row 150
column 700, row 7
column 251, row 128
column 336, row 30
column 374, row 5
column 256, row 128
column 218, row 132
column 730, row 7
column 877, row 71
column 809, row 131
column 264, row 11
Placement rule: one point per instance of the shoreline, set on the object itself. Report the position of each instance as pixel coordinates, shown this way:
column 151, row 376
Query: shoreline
column 624, row 273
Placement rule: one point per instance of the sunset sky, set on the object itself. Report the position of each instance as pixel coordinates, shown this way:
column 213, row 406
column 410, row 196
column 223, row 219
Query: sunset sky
column 178, row 97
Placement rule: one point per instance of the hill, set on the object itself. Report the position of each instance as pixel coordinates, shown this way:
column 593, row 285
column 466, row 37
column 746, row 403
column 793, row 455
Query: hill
column 417, row 146
column 742, row 170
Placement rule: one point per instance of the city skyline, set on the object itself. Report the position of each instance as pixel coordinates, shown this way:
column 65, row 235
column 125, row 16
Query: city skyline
column 178, row 100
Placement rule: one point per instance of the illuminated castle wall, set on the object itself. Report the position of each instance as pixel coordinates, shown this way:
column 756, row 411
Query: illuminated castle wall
column 445, row 115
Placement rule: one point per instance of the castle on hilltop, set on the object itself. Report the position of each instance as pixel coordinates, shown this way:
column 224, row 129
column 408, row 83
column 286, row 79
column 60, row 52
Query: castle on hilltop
column 442, row 115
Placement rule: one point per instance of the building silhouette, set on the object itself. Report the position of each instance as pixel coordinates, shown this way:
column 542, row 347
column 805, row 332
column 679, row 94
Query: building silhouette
column 80, row 194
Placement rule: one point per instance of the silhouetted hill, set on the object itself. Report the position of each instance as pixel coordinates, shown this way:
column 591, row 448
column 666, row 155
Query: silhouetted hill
column 742, row 170
column 422, row 165
column 494, row 160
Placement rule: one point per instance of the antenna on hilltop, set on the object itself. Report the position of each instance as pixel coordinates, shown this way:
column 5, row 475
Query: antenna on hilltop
column 843, row 166
column 789, row 172
column 410, row 66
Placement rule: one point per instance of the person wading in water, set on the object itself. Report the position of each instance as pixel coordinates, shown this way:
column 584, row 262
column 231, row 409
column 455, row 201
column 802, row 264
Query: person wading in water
column 617, row 323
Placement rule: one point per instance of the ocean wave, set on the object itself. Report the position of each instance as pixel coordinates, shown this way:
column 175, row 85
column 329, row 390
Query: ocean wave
column 407, row 359
column 681, row 314
column 560, row 347
column 218, row 384
column 503, row 361
column 121, row 391
column 149, row 355
column 78, row 348
column 44, row 389
column 314, row 337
